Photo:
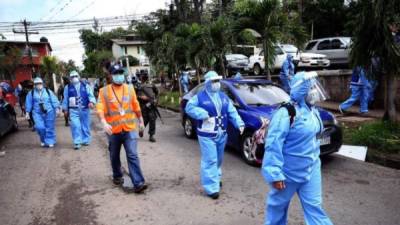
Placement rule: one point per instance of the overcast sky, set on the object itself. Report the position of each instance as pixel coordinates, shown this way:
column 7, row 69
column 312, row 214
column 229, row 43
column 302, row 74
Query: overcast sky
column 65, row 43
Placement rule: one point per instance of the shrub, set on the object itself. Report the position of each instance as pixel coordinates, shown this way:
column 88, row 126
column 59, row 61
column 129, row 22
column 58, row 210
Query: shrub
column 383, row 136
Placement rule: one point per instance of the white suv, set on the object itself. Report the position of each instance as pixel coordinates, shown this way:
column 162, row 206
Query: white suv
column 301, row 59
column 335, row 48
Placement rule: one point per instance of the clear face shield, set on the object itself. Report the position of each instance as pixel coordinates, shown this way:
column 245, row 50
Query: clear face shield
column 317, row 93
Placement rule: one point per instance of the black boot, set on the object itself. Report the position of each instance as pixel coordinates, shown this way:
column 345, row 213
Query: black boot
column 152, row 139
column 214, row 195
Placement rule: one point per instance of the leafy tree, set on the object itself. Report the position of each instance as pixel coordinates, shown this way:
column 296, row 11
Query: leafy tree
column 373, row 38
column 324, row 18
column 66, row 67
column 94, row 41
column 133, row 61
column 49, row 65
column 94, row 63
column 267, row 18
column 10, row 59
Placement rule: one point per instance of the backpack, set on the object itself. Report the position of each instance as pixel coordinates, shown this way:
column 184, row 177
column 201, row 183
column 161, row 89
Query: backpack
column 291, row 110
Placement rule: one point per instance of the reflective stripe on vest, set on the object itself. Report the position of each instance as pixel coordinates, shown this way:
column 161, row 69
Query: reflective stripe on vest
column 113, row 115
column 123, row 121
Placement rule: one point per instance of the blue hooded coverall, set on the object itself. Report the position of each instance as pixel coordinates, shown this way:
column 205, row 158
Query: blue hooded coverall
column 360, row 91
column 79, row 114
column 202, row 106
column 185, row 82
column 44, row 122
column 287, row 71
column 292, row 155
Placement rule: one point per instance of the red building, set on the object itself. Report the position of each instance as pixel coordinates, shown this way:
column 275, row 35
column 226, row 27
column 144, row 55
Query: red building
column 24, row 70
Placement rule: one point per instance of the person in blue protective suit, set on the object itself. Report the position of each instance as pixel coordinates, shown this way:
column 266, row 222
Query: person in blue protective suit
column 238, row 76
column 360, row 91
column 44, row 106
column 291, row 162
column 287, row 72
column 77, row 102
column 212, row 109
column 184, row 79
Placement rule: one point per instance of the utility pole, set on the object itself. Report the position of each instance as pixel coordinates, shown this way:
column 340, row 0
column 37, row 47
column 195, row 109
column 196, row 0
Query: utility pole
column 27, row 33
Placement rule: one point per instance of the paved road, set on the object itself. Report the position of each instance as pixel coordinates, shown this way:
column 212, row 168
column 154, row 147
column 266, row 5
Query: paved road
column 66, row 187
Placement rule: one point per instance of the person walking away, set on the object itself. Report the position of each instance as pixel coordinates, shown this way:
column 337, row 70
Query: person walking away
column 119, row 112
column 17, row 93
column 60, row 95
column 287, row 72
column 184, row 79
column 148, row 95
column 291, row 161
column 359, row 87
column 212, row 109
column 44, row 106
column 27, row 86
column 77, row 103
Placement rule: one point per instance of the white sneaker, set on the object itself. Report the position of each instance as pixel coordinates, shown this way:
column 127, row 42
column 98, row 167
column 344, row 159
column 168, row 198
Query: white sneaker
column 51, row 146
column 42, row 144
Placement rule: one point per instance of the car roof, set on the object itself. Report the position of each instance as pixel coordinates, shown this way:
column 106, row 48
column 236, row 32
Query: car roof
column 247, row 80
column 328, row 38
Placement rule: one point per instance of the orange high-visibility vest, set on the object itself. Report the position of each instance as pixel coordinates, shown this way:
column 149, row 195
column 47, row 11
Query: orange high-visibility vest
column 118, row 112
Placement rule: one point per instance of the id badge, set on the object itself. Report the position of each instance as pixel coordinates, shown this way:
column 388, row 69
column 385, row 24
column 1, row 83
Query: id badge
column 72, row 102
column 208, row 125
column 121, row 112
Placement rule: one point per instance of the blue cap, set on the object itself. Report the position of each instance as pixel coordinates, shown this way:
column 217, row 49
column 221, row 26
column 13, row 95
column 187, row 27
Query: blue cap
column 116, row 69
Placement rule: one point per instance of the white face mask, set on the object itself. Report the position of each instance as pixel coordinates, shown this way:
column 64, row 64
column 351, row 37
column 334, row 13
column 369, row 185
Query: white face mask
column 75, row 80
column 39, row 86
column 215, row 87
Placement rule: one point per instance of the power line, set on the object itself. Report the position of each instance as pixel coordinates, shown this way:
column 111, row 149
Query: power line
column 52, row 9
column 61, row 9
column 82, row 10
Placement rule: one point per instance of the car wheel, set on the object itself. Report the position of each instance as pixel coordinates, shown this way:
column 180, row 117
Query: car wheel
column 257, row 69
column 188, row 128
column 246, row 149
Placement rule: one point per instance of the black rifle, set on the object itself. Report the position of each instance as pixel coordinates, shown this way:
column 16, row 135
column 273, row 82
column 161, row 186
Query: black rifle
column 152, row 105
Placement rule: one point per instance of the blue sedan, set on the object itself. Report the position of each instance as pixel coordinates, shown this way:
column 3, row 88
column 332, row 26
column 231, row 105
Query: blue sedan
column 257, row 99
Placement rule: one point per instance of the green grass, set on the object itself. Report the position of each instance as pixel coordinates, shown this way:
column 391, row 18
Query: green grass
column 382, row 136
column 165, row 99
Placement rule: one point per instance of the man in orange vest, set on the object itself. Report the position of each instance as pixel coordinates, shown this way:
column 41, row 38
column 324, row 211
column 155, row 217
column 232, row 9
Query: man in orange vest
column 119, row 112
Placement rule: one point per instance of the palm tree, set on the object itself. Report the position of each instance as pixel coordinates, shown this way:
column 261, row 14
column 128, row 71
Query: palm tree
column 373, row 38
column 267, row 18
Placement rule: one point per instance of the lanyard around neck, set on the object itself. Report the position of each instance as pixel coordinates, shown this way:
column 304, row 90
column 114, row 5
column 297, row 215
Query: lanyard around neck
column 115, row 95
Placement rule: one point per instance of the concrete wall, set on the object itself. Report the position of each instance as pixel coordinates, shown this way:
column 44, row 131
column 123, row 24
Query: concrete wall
column 336, row 83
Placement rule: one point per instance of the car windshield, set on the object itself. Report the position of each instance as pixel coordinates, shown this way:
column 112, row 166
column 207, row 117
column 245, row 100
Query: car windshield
column 260, row 94
column 289, row 48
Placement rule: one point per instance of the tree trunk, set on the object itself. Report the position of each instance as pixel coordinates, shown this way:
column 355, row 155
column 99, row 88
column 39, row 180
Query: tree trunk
column 177, row 75
column 390, row 106
column 266, row 56
column 222, row 64
column 198, row 74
